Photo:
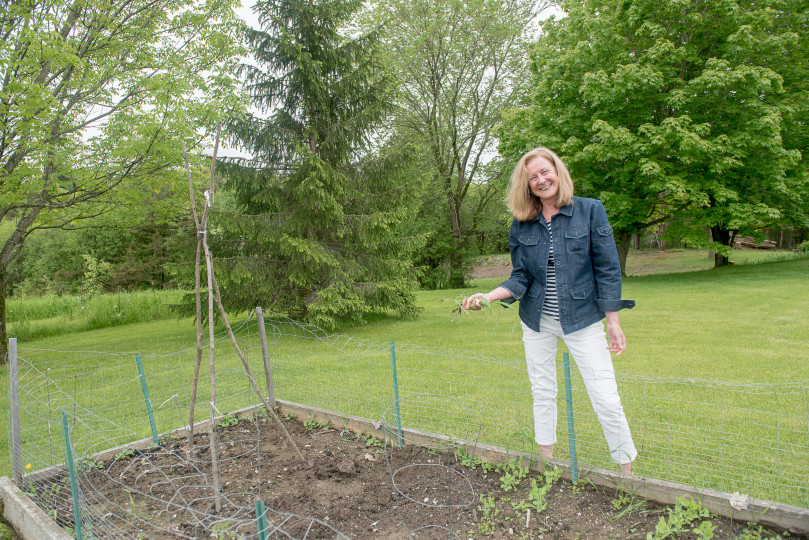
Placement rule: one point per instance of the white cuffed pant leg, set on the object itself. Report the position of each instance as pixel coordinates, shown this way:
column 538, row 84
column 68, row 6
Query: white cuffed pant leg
column 588, row 347
column 540, row 357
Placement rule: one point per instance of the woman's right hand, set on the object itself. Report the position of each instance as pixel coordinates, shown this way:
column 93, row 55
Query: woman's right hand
column 473, row 302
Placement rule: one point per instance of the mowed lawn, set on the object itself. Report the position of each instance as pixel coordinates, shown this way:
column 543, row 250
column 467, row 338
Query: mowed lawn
column 744, row 324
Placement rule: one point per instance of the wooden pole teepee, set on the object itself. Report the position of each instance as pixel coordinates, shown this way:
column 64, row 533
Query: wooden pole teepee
column 214, row 298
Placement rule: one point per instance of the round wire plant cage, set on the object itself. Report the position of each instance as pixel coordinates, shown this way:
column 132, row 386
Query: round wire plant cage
column 421, row 464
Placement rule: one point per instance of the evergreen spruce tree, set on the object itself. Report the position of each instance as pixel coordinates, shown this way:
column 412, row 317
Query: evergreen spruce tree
column 316, row 232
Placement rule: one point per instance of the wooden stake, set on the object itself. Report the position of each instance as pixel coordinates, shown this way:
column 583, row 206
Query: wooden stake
column 250, row 373
column 198, row 363
column 214, row 296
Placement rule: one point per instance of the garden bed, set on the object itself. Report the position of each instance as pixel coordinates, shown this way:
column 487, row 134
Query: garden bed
column 352, row 484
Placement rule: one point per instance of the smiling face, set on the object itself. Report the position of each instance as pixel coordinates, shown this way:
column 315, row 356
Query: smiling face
column 542, row 180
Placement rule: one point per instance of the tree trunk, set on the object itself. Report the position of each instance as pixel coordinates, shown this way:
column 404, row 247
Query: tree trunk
column 455, row 276
column 723, row 236
column 3, row 333
column 455, row 270
column 623, row 244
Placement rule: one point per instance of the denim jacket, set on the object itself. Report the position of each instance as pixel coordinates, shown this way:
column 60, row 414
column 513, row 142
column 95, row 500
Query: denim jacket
column 588, row 274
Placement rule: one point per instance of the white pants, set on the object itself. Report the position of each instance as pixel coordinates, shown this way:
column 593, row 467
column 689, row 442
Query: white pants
column 589, row 349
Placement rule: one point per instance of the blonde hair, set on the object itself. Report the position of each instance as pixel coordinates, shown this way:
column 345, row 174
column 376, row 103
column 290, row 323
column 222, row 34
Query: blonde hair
column 522, row 203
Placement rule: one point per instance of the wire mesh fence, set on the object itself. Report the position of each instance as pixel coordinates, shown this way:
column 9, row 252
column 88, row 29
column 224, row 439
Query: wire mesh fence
column 752, row 439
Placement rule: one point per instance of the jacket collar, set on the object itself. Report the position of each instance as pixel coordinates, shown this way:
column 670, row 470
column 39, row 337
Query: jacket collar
column 565, row 210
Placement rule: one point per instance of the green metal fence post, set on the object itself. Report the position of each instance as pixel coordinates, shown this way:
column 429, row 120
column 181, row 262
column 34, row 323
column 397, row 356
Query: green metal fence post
column 396, row 392
column 72, row 471
column 148, row 401
column 261, row 520
column 571, row 431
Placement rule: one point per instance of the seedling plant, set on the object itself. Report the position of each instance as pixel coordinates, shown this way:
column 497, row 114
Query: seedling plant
column 228, row 420
column 313, row 423
column 489, row 512
column 466, row 459
column 626, row 505
column 539, row 490
column 123, row 454
column 514, row 473
column 681, row 520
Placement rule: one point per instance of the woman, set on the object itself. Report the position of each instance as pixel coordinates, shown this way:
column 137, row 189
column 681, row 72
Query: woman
column 567, row 278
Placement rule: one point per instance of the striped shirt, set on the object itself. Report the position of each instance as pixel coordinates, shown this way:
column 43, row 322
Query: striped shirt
column 551, row 305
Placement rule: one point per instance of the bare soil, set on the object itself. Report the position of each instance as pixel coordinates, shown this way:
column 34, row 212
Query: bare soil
column 348, row 484
column 492, row 266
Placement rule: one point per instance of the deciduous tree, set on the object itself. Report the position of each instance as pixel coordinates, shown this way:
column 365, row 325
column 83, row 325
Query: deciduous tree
column 458, row 64
column 675, row 110
column 97, row 97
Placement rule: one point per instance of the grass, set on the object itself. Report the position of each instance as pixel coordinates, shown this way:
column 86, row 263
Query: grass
column 739, row 324
column 31, row 318
column 744, row 324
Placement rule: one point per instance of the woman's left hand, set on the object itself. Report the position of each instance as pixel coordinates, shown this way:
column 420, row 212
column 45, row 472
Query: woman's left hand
column 617, row 340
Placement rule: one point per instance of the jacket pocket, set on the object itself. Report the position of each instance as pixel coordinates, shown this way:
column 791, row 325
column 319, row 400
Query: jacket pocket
column 528, row 240
column 577, row 239
column 582, row 293
column 605, row 237
column 528, row 250
column 583, row 304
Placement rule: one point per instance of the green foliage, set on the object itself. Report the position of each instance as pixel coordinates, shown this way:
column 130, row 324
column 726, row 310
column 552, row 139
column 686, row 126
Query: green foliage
column 45, row 495
column 49, row 262
column 227, row 421
column 672, row 110
column 53, row 315
column 513, row 474
column 87, row 464
column 124, row 454
column 803, row 247
column 457, row 65
column 681, row 518
column 626, row 505
column 370, row 440
column 536, row 496
column 313, row 423
column 139, row 256
column 220, row 531
column 95, row 108
column 466, row 459
column 754, row 531
column 489, row 513
column 316, row 232
column 7, row 532
column 96, row 274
